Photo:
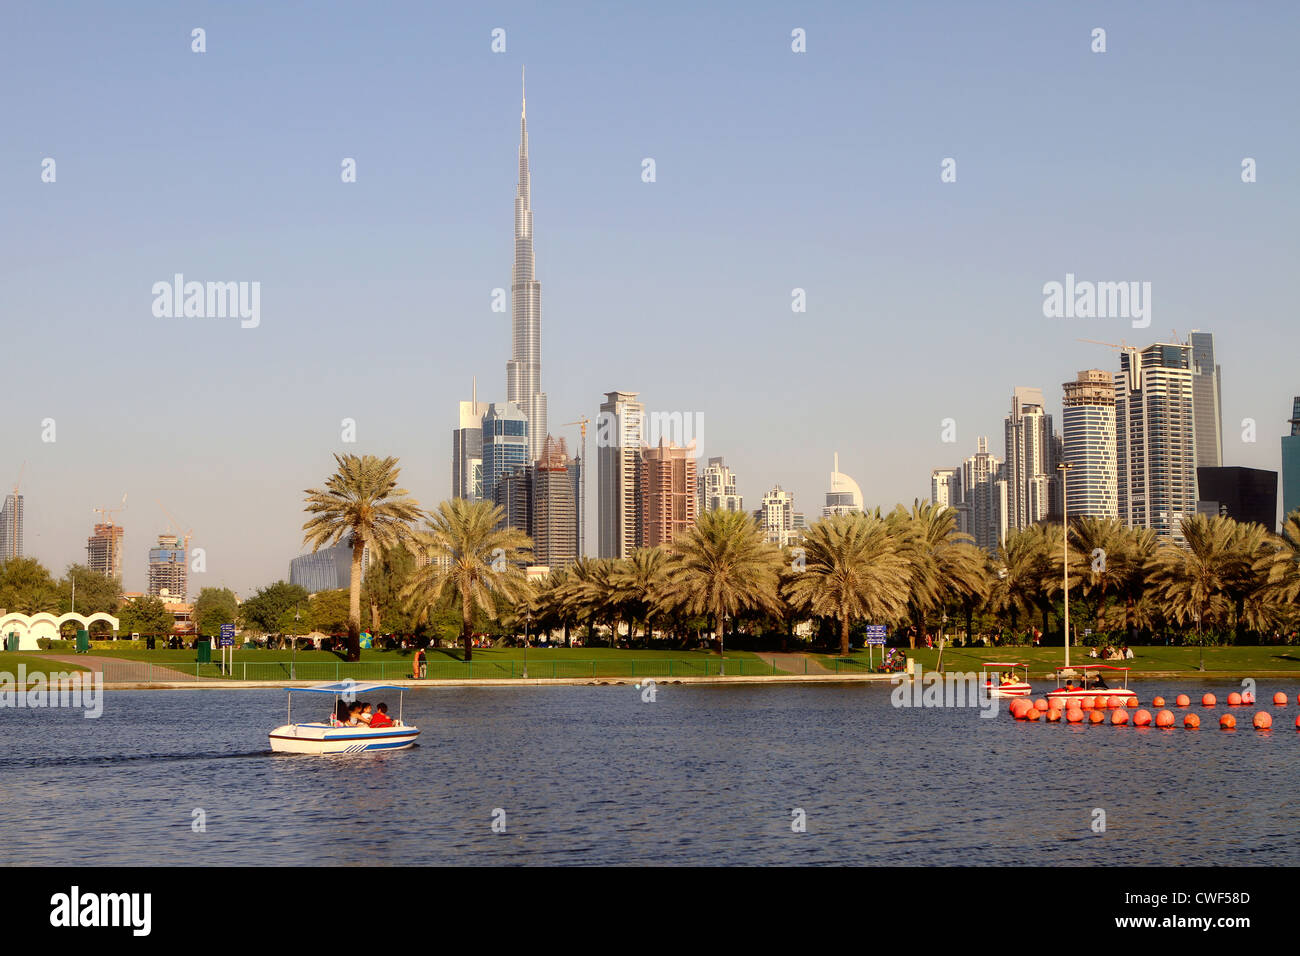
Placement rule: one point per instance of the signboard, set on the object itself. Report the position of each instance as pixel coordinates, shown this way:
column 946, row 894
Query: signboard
column 227, row 635
column 876, row 634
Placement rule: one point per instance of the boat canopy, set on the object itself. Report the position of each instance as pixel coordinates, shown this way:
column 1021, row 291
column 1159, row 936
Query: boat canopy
column 346, row 687
column 1005, row 664
column 1092, row 667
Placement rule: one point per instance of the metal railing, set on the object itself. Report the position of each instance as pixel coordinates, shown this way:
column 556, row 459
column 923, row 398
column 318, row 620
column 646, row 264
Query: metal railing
column 148, row 672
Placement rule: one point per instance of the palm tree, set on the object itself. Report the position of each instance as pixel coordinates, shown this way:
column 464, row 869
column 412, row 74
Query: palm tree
column 853, row 571
column 637, row 584
column 944, row 562
column 360, row 501
column 472, row 558
column 721, row 565
column 1282, row 563
column 1196, row 582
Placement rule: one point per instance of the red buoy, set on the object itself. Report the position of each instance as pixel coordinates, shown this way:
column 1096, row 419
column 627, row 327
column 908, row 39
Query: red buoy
column 1208, row 700
column 1053, row 715
column 1115, row 701
column 1033, row 713
column 1182, row 700
column 1095, row 716
column 1041, row 704
column 1227, row 722
column 1142, row 718
column 1157, row 702
column 1248, row 698
column 1234, row 699
column 1085, row 703
column 1191, row 722
column 1074, row 715
column 1165, row 718
column 1263, row 720
column 1279, row 699
column 1119, row 716
column 1018, row 707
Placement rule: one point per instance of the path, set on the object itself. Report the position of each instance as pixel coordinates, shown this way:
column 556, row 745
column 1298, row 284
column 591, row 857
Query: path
column 794, row 663
column 116, row 670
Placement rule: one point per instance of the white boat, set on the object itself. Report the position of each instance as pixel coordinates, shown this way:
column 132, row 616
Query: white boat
column 332, row 737
column 1071, row 685
column 1011, row 682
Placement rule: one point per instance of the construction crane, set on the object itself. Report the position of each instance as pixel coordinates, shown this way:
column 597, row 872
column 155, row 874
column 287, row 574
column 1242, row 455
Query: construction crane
column 109, row 512
column 582, row 422
column 176, row 526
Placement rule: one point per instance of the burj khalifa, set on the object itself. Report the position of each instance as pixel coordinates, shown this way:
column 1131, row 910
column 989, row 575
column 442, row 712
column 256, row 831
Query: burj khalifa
column 524, row 370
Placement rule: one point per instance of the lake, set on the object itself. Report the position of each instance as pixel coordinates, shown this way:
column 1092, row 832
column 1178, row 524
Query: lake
column 596, row 775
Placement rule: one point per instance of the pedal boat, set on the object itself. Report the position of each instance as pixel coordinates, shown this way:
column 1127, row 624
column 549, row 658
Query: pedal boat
column 1089, row 684
column 328, row 737
column 1016, row 686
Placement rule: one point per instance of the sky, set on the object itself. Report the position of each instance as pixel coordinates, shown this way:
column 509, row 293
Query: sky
column 775, row 170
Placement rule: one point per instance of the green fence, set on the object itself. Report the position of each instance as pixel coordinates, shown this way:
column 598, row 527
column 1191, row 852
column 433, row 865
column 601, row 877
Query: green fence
column 537, row 669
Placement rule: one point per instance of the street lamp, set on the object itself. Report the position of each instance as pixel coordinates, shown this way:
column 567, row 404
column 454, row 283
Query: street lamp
column 528, row 619
column 1064, row 468
column 293, row 658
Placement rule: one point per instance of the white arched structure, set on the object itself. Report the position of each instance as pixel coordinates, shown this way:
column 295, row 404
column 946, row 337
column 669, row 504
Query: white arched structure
column 30, row 628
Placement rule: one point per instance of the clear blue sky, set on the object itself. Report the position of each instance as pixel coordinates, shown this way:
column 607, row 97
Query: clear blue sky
column 775, row 170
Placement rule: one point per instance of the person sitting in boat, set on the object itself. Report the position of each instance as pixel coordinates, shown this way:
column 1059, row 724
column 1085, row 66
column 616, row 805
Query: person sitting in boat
column 366, row 713
column 341, row 713
column 381, row 718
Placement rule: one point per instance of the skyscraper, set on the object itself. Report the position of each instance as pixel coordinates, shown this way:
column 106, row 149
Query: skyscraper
column 619, row 434
column 505, row 444
column 776, row 518
column 11, row 528
column 669, row 493
column 557, row 509
column 524, row 370
column 718, row 488
column 1291, row 463
column 514, row 493
column 845, row 497
column 1088, row 431
column 104, row 550
column 1155, row 438
column 984, row 492
column 1031, row 459
column 169, row 569
column 467, row 450
column 945, row 487
column 1207, row 396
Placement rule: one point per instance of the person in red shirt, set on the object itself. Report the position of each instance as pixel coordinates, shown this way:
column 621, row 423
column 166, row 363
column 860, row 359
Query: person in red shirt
column 381, row 718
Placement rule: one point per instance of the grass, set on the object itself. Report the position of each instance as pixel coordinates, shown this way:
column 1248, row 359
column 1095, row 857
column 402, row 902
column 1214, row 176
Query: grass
column 9, row 661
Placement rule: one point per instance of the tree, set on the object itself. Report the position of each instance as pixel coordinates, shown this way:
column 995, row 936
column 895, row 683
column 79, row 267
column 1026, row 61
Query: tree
column 270, row 608
column 852, row 571
column 361, row 503
column 1195, row 583
column 146, row 615
column 722, row 566
column 472, row 560
column 637, row 584
column 382, row 591
column 96, row 593
column 26, row 587
column 329, row 611
column 214, row 607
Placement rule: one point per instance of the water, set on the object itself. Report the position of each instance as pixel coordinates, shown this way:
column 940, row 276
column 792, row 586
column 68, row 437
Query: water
column 594, row 775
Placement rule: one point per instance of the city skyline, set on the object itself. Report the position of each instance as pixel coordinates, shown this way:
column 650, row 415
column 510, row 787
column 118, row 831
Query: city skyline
column 395, row 272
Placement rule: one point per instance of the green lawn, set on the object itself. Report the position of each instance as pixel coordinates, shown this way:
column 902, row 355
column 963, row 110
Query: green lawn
column 1246, row 661
column 9, row 661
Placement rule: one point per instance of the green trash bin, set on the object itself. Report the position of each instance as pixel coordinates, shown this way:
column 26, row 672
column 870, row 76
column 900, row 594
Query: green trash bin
column 83, row 642
column 205, row 652
column 11, row 641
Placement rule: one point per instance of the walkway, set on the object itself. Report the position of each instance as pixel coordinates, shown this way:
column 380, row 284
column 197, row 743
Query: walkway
column 119, row 671
column 794, row 663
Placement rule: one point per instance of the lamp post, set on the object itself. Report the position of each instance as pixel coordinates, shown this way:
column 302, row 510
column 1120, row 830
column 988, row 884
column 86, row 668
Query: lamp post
column 293, row 658
column 528, row 620
column 1064, row 468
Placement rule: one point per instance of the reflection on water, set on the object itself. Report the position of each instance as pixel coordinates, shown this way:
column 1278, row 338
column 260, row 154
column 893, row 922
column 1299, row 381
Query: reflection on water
column 703, row 775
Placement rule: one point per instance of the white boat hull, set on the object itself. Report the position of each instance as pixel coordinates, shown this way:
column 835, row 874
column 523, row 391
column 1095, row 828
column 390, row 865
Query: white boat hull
column 1007, row 689
column 324, row 739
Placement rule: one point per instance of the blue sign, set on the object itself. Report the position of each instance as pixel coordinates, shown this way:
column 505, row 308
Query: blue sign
column 227, row 635
column 876, row 634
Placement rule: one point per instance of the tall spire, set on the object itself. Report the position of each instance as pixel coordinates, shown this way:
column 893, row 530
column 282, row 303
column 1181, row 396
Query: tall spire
column 524, row 370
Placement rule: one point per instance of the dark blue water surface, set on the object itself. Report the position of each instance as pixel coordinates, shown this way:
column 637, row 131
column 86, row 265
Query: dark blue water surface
column 596, row 775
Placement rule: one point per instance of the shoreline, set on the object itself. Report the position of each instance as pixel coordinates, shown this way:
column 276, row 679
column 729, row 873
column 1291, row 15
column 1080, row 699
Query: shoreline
column 206, row 684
